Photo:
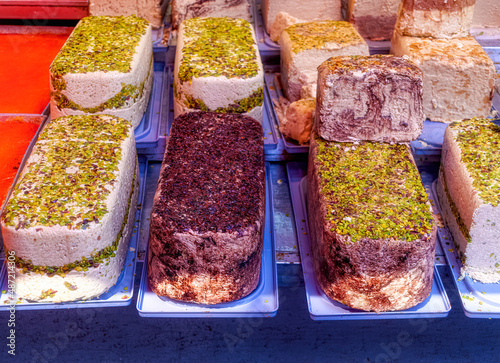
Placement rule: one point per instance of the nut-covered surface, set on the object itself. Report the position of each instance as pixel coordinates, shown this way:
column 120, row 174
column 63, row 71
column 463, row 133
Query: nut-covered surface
column 218, row 68
column 469, row 195
column 105, row 67
column 187, row 9
column 70, row 216
column 372, row 230
column 207, row 221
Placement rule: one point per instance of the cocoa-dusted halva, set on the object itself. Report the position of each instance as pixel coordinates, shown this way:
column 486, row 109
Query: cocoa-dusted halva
column 207, row 222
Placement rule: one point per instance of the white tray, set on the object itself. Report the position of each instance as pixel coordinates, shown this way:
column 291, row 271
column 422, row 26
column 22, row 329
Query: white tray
column 262, row 302
column 321, row 307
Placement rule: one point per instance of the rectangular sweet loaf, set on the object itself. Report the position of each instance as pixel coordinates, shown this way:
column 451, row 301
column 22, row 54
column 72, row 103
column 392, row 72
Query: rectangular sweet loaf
column 105, row 67
column 218, row 68
column 70, row 217
column 206, row 233
column 370, row 223
column 305, row 10
column 369, row 98
column 469, row 194
column 449, row 67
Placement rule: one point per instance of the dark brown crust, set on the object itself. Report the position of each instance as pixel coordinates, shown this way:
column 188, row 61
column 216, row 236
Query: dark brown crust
column 198, row 9
column 378, row 71
column 357, row 274
column 375, row 27
column 427, row 5
column 207, row 221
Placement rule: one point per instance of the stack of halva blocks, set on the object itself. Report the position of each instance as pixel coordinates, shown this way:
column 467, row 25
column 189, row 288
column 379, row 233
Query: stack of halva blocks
column 304, row 47
column 458, row 88
column 370, row 222
column 459, row 76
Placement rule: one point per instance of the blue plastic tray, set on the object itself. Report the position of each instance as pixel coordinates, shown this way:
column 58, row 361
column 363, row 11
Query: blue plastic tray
column 321, row 307
column 119, row 295
column 430, row 140
column 148, row 131
column 262, row 302
column 478, row 300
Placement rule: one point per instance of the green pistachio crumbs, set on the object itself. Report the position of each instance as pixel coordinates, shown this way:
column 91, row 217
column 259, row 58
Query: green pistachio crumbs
column 95, row 259
column 47, row 293
column 479, row 142
column 239, row 106
column 72, row 169
column 99, row 43
column 314, row 35
column 218, row 47
column 373, row 190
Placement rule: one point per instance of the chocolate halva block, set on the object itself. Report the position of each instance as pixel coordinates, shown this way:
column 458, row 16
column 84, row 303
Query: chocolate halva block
column 206, row 233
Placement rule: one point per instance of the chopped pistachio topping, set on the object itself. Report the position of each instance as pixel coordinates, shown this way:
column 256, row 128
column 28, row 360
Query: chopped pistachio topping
column 479, row 142
column 100, row 43
column 47, row 293
column 218, row 47
column 95, row 259
column 72, row 169
column 127, row 93
column 316, row 34
column 69, row 286
column 239, row 106
column 373, row 190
